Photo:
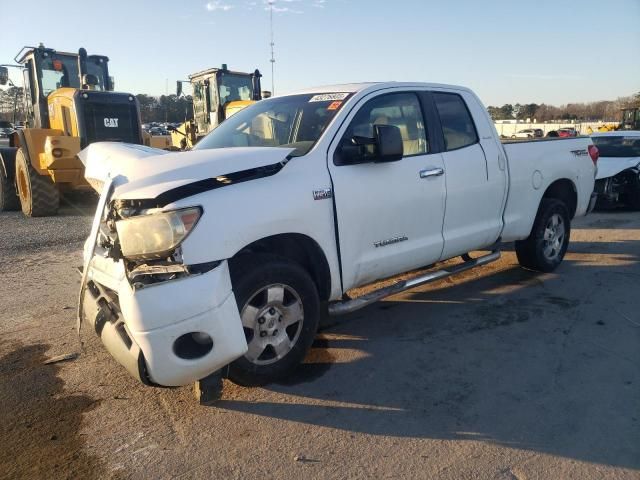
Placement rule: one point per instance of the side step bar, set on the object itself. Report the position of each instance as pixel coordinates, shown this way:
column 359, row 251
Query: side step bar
column 351, row 305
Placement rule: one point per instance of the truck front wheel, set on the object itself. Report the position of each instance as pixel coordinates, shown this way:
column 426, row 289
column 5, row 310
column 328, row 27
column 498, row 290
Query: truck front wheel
column 545, row 247
column 280, row 309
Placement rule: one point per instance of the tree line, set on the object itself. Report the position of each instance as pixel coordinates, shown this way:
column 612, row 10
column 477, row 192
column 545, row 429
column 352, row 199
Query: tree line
column 171, row 108
column 165, row 108
column 605, row 110
column 12, row 104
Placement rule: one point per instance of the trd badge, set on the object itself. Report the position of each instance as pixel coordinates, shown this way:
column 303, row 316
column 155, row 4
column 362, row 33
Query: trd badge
column 322, row 194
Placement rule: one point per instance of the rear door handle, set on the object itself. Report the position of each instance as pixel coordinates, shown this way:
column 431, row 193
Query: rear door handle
column 431, row 172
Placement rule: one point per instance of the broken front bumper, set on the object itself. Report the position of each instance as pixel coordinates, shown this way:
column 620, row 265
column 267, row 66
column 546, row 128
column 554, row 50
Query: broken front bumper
column 155, row 332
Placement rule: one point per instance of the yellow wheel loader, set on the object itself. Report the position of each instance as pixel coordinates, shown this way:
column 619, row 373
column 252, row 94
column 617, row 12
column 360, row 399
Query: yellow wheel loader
column 217, row 94
column 69, row 103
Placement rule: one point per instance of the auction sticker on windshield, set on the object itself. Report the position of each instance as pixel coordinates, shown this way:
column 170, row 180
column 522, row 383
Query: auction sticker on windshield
column 328, row 97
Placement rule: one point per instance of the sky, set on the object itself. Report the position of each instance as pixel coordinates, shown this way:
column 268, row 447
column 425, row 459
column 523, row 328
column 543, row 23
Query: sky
column 540, row 51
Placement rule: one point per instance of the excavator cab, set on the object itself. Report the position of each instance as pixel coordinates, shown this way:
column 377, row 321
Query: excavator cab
column 630, row 119
column 46, row 71
column 70, row 103
column 217, row 94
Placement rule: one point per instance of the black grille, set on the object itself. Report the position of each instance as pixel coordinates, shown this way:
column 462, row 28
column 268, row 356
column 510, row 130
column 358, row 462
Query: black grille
column 111, row 123
column 107, row 117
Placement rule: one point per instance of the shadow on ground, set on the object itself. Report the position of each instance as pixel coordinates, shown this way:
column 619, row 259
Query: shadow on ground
column 40, row 425
column 547, row 363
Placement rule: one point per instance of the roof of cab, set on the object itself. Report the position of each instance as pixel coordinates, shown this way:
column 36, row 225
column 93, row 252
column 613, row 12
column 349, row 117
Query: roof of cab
column 371, row 86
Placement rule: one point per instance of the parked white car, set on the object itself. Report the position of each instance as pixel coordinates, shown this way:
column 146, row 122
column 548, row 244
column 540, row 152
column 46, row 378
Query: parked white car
column 222, row 256
column 618, row 177
column 526, row 133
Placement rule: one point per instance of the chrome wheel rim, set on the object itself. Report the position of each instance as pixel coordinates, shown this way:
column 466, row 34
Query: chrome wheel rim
column 272, row 319
column 554, row 234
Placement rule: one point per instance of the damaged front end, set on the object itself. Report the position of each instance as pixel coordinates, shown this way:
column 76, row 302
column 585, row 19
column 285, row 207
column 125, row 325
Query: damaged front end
column 166, row 322
column 622, row 188
column 148, row 241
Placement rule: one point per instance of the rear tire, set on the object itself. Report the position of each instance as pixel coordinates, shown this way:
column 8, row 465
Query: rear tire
column 280, row 310
column 547, row 244
column 8, row 196
column 39, row 196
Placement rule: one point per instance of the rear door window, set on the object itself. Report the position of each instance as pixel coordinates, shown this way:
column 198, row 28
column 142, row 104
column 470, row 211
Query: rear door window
column 458, row 128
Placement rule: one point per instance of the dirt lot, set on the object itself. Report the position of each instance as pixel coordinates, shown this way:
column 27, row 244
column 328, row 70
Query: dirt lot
column 499, row 373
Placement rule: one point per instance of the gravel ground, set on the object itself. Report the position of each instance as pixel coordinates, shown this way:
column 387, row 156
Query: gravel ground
column 37, row 235
column 497, row 373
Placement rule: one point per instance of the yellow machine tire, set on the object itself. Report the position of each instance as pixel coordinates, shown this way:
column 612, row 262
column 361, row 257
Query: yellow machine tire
column 39, row 196
column 8, row 196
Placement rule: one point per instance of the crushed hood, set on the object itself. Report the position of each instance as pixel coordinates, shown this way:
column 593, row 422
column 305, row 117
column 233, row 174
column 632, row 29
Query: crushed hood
column 140, row 172
column 611, row 166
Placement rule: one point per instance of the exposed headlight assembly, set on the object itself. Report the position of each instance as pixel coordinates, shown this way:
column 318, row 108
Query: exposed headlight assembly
column 156, row 235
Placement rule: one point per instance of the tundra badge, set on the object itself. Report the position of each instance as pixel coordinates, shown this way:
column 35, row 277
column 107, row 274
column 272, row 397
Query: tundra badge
column 390, row 241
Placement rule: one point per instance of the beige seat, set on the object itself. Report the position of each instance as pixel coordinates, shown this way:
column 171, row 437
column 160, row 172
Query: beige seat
column 410, row 146
column 262, row 127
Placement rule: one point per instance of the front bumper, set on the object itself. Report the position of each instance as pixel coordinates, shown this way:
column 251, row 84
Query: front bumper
column 140, row 326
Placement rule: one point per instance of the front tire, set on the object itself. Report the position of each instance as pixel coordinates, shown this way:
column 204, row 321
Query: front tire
column 280, row 310
column 547, row 244
column 39, row 196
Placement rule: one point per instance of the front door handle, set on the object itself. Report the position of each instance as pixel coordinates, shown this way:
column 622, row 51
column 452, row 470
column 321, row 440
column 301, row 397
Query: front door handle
column 431, row 172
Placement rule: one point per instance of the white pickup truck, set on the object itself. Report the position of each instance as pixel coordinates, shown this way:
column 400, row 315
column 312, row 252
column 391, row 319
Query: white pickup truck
column 221, row 258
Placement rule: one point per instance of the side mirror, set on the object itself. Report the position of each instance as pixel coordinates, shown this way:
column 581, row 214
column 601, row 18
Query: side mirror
column 385, row 146
column 4, row 75
column 389, row 146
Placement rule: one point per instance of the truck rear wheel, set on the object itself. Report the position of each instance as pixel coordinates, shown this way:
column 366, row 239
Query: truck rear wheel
column 545, row 247
column 8, row 196
column 39, row 196
column 280, row 309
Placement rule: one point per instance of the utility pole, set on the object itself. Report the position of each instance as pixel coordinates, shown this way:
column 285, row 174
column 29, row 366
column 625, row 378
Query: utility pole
column 273, row 60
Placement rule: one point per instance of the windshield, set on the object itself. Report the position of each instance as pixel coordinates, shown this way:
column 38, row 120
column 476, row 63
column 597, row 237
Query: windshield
column 234, row 87
column 57, row 71
column 295, row 121
column 618, row 146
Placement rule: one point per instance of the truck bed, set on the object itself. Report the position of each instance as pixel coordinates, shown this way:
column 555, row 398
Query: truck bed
column 528, row 161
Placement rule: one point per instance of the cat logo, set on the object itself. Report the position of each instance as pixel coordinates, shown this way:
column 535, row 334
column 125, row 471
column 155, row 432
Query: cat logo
column 111, row 122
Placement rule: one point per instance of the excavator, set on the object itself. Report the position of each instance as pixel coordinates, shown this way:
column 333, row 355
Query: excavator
column 630, row 119
column 217, row 94
column 69, row 102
